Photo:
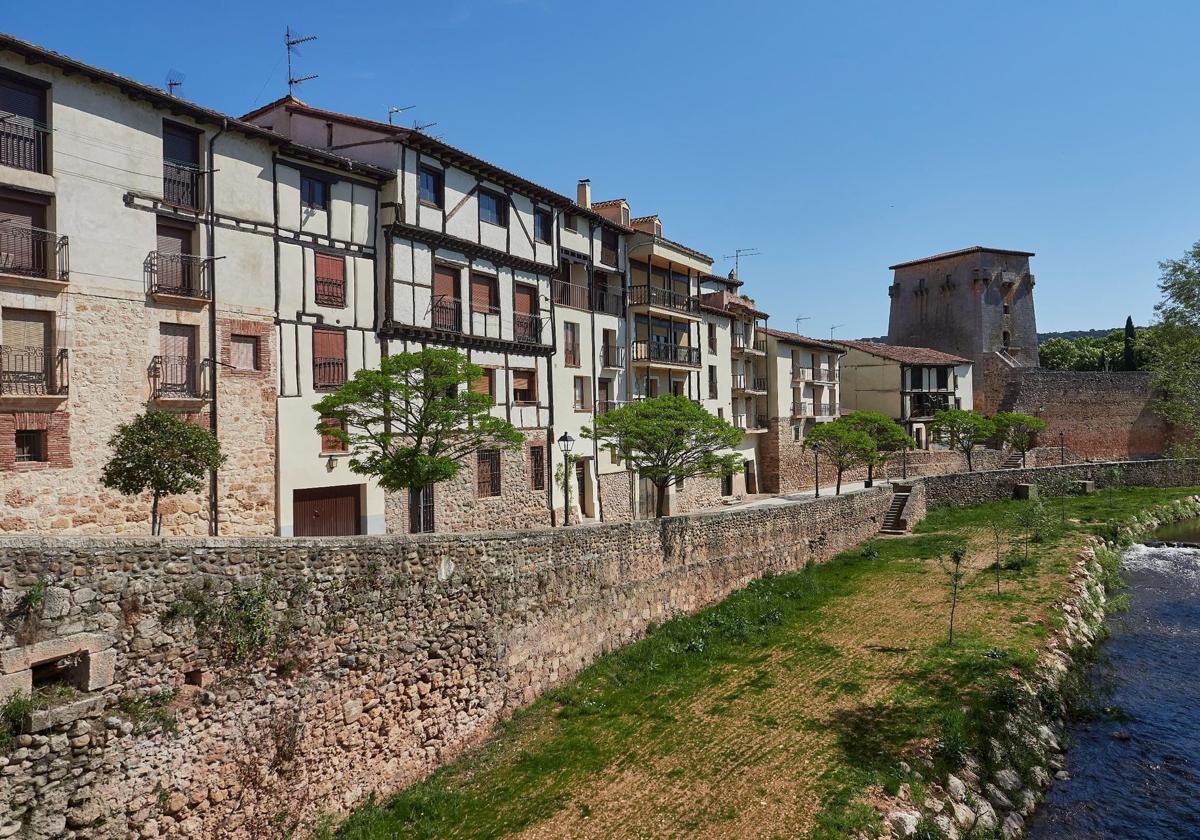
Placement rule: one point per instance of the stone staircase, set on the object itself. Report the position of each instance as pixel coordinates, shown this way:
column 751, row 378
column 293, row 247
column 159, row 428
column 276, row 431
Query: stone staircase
column 892, row 523
column 1012, row 462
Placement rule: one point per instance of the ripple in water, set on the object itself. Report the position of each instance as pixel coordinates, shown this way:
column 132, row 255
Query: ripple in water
column 1136, row 774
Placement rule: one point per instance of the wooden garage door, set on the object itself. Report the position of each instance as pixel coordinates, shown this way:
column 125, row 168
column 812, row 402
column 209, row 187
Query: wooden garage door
column 326, row 511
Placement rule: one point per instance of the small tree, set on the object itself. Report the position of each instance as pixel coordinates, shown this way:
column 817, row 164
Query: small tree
column 162, row 454
column 954, row 573
column 961, row 430
column 886, row 433
column 415, row 420
column 1017, row 430
column 668, row 439
column 843, row 445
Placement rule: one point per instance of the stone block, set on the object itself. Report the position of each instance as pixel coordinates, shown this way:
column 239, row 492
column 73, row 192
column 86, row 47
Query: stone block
column 1084, row 488
column 100, row 668
column 42, row 719
column 1025, row 491
column 20, row 681
column 19, row 659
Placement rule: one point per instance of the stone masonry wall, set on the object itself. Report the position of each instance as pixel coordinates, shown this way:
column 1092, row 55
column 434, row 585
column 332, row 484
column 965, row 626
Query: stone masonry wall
column 615, row 496
column 384, row 657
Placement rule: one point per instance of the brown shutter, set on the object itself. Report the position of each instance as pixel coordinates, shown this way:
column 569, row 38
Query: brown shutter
column 483, row 385
column 177, row 340
column 20, row 213
column 524, row 385
column 174, row 240
column 22, row 100
column 525, row 300
column 26, row 328
column 329, row 344
column 445, row 283
column 482, row 298
column 330, row 268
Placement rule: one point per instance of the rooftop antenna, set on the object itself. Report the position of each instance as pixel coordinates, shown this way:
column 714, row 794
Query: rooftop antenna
column 292, row 43
column 737, row 255
column 418, row 126
column 800, row 318
column 393, row 110
column 834, row 327
column 174, row 81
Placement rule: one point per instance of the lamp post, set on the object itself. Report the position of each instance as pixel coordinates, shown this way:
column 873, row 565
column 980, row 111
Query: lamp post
column 816, row 474
column 1062, row 449
column 565, row 443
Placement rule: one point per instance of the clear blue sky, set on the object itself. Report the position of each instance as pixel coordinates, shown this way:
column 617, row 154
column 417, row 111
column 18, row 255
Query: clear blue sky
column 838, row 138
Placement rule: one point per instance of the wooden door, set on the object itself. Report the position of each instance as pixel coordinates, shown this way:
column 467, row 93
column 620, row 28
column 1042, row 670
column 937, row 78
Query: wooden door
column 23, row 251
column 329, row 358
column 177, row 366
column 326, row 511
column 751, row 480
column 604, row 394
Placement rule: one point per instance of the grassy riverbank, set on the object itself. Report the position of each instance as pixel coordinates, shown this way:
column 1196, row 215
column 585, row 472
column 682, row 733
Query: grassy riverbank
column 773, row 712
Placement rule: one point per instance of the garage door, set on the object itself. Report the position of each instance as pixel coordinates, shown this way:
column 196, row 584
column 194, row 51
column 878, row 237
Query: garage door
column 326, row 511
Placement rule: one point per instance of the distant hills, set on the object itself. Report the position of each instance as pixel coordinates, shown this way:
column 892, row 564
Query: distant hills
column 1070, row 335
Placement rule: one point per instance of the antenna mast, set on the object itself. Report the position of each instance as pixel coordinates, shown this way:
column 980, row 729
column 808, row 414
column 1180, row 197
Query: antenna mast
column 737, row 255
column 834, row 327
column 393, row 110
column 800, row 318
column 293, row 42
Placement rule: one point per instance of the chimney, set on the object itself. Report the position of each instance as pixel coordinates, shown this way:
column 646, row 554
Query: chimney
column 583, row 193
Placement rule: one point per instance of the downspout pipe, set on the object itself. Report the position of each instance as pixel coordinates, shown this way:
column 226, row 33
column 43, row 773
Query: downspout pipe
column 214, row 528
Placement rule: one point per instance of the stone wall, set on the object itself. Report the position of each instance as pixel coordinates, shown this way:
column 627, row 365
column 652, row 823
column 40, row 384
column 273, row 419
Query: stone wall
column 384, row 656
column 616, row 496
column 697, row 494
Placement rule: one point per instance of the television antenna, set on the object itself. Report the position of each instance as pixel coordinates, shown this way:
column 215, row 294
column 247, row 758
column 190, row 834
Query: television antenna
column 800, row 318
column 737, row 255
column 418, row 126
column 292, row 43
column 174, row 81
column 834, row 327
column 393, row 110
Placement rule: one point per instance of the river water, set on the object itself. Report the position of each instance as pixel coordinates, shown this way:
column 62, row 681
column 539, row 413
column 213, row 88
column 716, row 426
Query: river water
column 1135, row 769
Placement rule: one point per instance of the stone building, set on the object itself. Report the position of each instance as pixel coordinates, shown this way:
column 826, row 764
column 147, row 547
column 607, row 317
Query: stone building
column 975, row 302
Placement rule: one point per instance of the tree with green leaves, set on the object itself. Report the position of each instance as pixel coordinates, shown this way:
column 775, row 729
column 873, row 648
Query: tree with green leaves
column 842, row 444
column 955, row 574
column 1016, row 430
column 889, row 438
column 162, row 454
column 1129, row 354
column 415, row 420
column 961, row 430
column 1175, row 366
column 668, row 439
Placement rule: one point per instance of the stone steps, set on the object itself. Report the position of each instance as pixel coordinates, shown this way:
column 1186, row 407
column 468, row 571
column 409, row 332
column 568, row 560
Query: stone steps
column 891, row 519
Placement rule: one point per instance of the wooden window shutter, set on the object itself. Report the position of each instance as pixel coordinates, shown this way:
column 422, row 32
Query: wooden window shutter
column 525, row 300
column 329, row 344
column 27, row 329
column 484, row 384
column 14, row 211
column 537, row 467
column 177, row 340
column 243, row 352
column 483, row 297
column 329, row 443
column 329, row 358
column 445, row 282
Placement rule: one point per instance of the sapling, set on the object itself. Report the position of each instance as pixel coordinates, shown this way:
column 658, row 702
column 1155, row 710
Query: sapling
column 955, row 573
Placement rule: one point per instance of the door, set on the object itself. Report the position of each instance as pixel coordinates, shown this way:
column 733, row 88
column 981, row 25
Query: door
column 751, row 479
column 525, row 322
column 25, row 336
column 173, row 243
column 23, row 248
column 420, row 510
column 22, row 132
column 177, row 359
column 647, row 499
column 447, row 307
column 326, row 511
column 603, row 395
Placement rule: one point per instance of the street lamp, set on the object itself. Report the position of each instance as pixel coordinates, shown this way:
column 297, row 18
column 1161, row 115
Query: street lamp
column 816, row 473
column 565, row 443
column 1062, row 449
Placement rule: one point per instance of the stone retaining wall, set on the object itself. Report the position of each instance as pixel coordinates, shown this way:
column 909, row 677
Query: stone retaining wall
column 304, row 675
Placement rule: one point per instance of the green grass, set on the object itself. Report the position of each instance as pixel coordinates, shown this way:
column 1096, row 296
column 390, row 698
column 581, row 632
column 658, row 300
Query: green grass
column 664, row 700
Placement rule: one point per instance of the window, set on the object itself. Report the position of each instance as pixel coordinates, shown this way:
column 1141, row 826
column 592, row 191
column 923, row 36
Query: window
column 430, row 186
column 712, row 338
column 914, row 378
column 486, row 384
column 31, row 446
column 524, row 387
column 1005, row 339
column 181, row 165
column 314, row 193
column 943, row 378
column 571, row 343
column 330, row 275
column 537, row 467
column 677, row 387
column 712, row 382
column 176, row 373
column 493, row 208
column 484, row 295
column 487, row 481
column 720, row 412
column 23, row 131
column 583, row 393
column 608, row 246
column 329, row 442
column 569, row 221
column 243, row 352
column 420, row 510
column 329, row 358
column 796, row 433
column 541, row 225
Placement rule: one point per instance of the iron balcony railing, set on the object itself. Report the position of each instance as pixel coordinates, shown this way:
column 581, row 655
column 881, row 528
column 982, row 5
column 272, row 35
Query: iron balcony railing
column 802, row 374
column 825, row 375
column 447, row 314
column 741, row 342
column 661, row 351
column 181, row 184
column 665, row 298
column 329, row 372
column 608, row 256
column 574, row 295
column 183, row 275
column 612, row 356
column 802, row 408
column 826, row 409
column 760, row 383
column 527, row 329
column 761, row 422
column 33, row 252
column 178, row 378
column 610, row 301
column 741, row 382
column 604, row 406
column 33, row 372
column 330, row 291
column 24, row 144
column 927, row 404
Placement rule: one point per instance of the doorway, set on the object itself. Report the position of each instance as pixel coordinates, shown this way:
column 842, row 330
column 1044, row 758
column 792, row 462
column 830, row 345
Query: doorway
column 326, row 511
column 751, row 478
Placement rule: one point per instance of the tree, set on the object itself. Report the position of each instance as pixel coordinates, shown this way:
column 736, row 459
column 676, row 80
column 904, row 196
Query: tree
column 954, row 573
column 1129, row 357
column 1017, row 430
column 415, row 420
column 1180, row 287
column 961, row 430
column 162, row 454
column 1175, row 362
column 843, row 445
column 668, row 439
column 887, row 435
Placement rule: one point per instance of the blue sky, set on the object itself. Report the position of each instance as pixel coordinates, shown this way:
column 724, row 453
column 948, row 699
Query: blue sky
column 837, row 138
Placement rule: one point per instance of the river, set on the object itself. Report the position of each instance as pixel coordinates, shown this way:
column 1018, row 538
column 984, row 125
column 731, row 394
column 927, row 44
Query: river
column 1135, row 767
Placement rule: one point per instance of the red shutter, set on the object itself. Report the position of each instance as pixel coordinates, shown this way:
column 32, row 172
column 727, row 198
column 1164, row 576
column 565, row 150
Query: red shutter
column 483, row 297
column 330, row 280
column 483, row 385
column 329, row 358
column 445, row 284
column 525, row 300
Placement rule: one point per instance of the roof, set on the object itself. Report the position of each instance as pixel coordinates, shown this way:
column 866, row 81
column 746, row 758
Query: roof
column 961, row 252
column 796, row 338
column 452, row 154
column 728, row 302
column 157, row 97
column 906, row 355
column 609, row 202
column 717, row 278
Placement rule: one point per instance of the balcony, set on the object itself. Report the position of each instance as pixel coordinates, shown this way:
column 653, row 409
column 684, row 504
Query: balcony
column 574, row 295
column 178, row 277
column 825, row 375
column 653, row 296
column 742, row 344
column 612, row 356
column 750, row 384
column 446, row 314
column 751, row 423
column 178, row 378
column 33, row 374
column 528, row 329
column 802, row 374
column 609, row 301
column 330, row 291
column 37, row 256
column 24, row 144
column 329, row 373
column 825, row 409
column 605, row 406
column 802, row 408
column 925, row 405
column 608, row 256
column 663, row 353
column 181, row 184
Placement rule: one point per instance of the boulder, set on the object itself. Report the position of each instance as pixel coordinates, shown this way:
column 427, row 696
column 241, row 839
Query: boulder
column 1007, row 779
column 1013, row 826
column 956, row 788
column 903, row 823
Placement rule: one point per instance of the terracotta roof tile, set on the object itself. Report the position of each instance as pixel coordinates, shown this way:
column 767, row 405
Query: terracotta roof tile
column 796, row 338
column 906, row 355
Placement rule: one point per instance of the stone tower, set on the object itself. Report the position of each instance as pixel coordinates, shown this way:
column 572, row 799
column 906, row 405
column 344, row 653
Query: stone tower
column 975, row 302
